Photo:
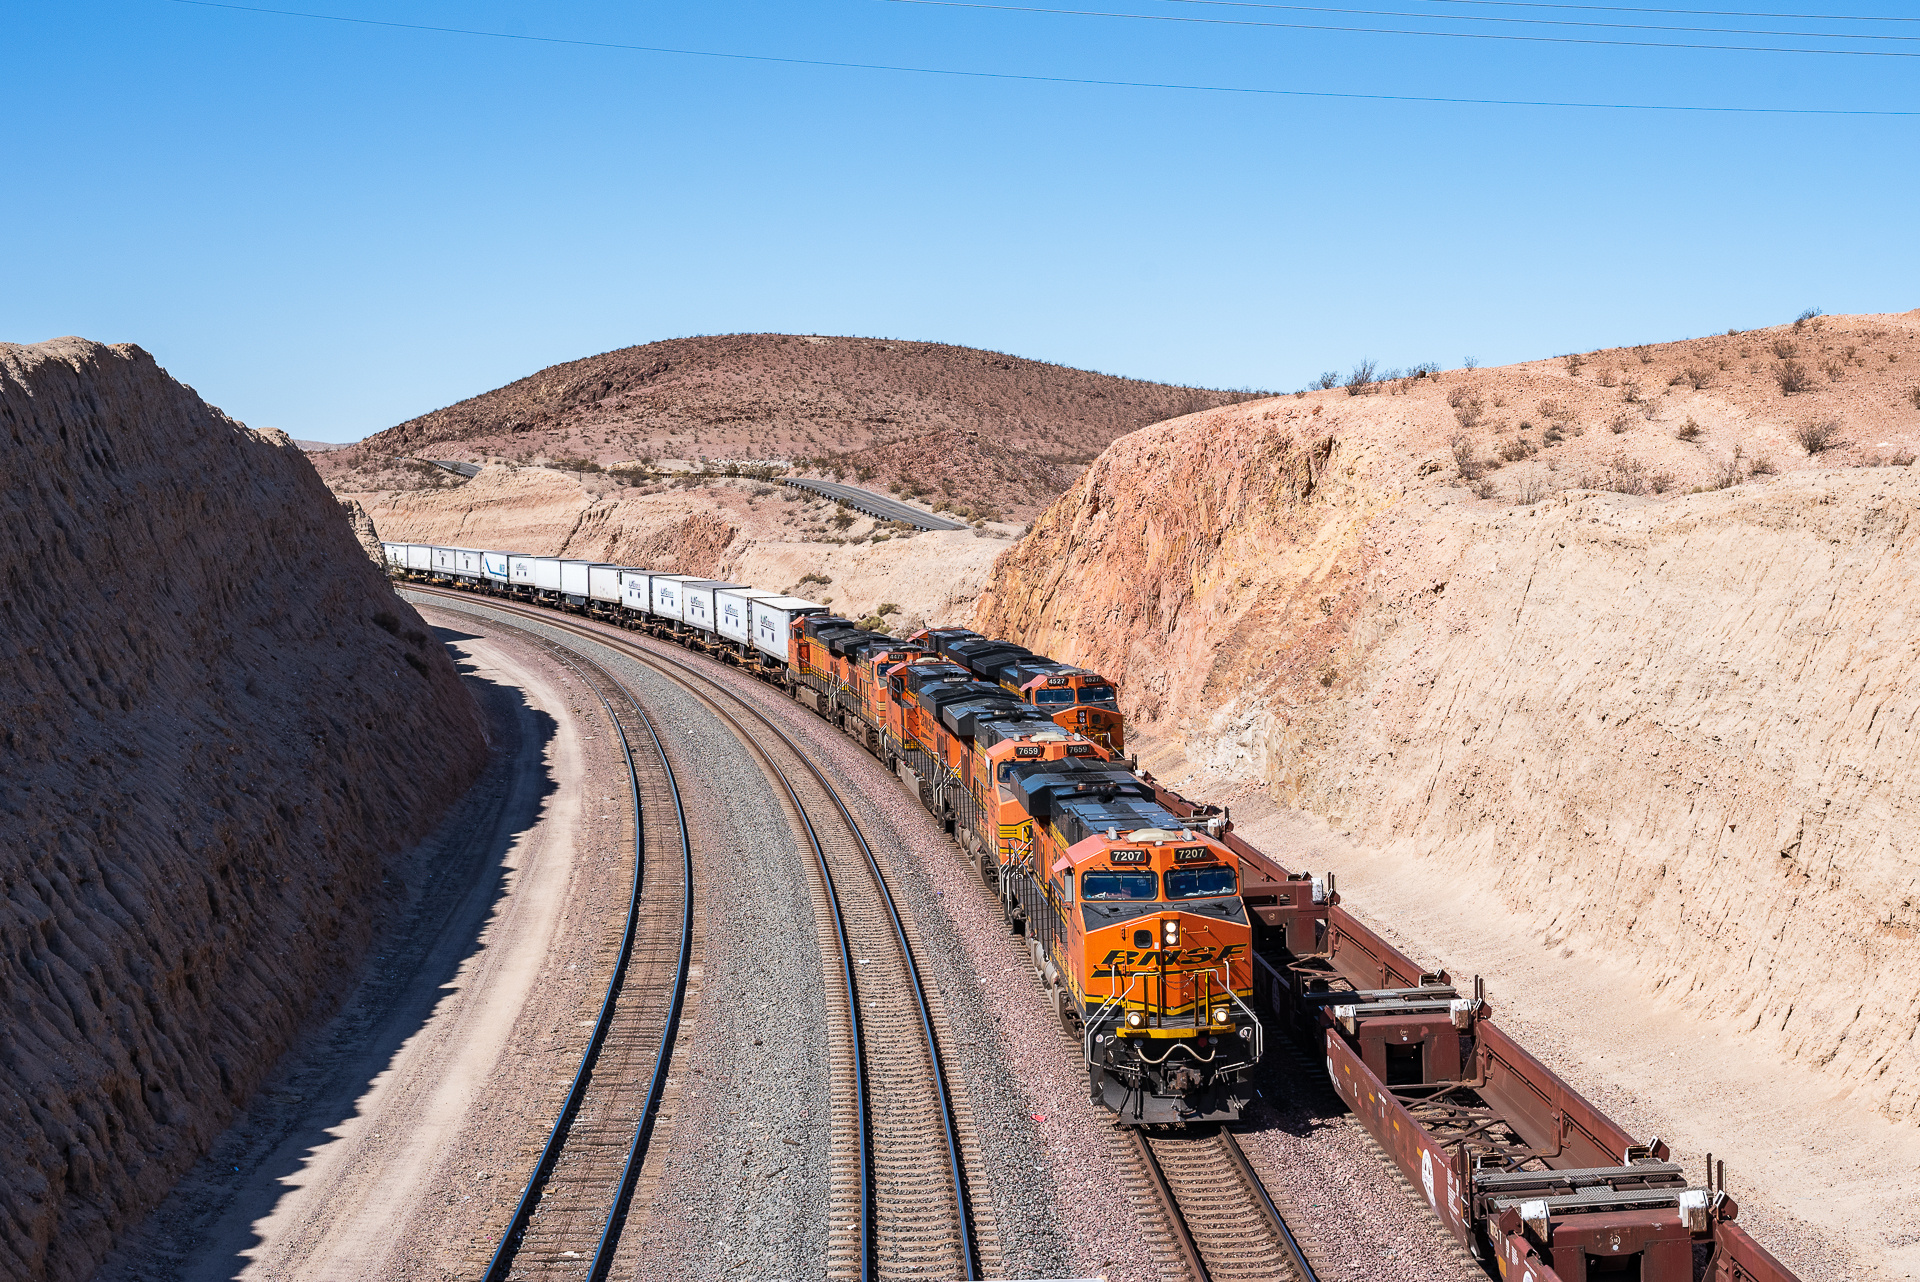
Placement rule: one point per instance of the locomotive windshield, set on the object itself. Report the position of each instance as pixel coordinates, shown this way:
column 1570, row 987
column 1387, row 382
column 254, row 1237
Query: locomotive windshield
column 1120, row 885
column 1052, row 696
column 1193, row 883
column 1096, row 694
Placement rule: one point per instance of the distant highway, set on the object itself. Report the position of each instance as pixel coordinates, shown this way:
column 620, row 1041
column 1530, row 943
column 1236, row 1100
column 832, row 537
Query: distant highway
column 877, row 505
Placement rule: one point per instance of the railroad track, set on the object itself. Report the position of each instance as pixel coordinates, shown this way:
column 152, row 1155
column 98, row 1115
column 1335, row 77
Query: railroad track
column 568, row 1221
column 902, row 1142
column 1225, row 1226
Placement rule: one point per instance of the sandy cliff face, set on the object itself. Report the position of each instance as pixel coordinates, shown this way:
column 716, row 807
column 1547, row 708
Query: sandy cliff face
column 1680, row 727
column 217, row 721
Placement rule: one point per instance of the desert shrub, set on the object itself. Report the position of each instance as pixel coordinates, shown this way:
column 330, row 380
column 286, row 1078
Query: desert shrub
column 1819, row 436
column 841, row 519
column 1552, row 409
column 1574, row 361
column 1518, row 448
column 1645, row 354
column 1553, row 435
column 1363, row 381
column 887, row 608
column 1484, row 489
column 1689, row 430
column 1620, row 422
column 1913, row 394
column 1464, row 456
column 1800, row 321
column 1609, row 377
column 1763, row 466
column 822, row 579
column 1729, row 473
column 1660, row 482
column 1792, row 377
column 1530, row 491
column 1833, row 370
column 1470, row 362
column 1459, row 396
column 1694, row 376
column 1899, row 458
column 1785, row 347
column 1425, row 369
column 1624, row 475
column 1329, row 379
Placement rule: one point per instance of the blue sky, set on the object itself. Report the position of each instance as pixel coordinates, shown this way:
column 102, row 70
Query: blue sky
column 330, row 227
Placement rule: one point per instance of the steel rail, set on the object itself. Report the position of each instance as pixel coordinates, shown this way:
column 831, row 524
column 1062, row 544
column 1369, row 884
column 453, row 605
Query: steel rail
column 510, row 1240
column 658, row 661
column 1297, row 1256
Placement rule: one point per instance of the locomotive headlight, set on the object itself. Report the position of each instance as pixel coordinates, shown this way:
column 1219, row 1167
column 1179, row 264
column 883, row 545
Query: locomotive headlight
column 1170, row 931
column 1135, row 1019
column 1222, row 1015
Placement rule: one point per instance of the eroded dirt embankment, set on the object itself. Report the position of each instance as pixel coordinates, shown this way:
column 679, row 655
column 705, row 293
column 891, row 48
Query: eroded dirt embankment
column 1682, row 730
column 218, row 721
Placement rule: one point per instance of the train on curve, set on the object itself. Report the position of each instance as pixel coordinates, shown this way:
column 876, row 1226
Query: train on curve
column 1172, row 947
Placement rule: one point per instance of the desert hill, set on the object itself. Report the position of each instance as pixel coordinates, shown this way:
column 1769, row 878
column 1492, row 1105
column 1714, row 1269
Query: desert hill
column 1649, row 682
column 983, row 431
column 218, row 722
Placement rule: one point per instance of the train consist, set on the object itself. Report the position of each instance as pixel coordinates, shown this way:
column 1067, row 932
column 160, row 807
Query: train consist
column 1173, row 948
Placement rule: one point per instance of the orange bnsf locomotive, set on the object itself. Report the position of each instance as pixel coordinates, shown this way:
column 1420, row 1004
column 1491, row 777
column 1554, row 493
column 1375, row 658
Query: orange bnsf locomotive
column 1137, row 924
column 1134, row 918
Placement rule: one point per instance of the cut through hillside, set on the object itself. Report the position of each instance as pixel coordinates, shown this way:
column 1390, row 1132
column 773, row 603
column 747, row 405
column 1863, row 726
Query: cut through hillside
column 219, row 722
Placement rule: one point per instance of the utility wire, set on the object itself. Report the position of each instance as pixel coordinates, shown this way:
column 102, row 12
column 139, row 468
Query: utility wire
column 1599, row 8
column 958, row 73
column 1435, row 35
column 1531, row 22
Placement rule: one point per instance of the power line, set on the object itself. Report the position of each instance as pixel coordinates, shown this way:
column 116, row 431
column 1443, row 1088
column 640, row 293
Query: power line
column 1535, row 22
column 1600, row 8
column 958, row 73
column 1434, row 35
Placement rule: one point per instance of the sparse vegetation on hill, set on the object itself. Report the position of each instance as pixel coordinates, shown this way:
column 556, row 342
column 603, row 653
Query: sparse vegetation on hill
column 980, row 431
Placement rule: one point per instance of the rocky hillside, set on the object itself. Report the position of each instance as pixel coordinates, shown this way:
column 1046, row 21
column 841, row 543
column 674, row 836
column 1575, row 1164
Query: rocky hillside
column 218, row 721
column 1625, row 638
column 990, row 433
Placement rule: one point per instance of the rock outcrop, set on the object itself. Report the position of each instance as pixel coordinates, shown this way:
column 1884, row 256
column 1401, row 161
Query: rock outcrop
column 218, row 721
column 1679, row 728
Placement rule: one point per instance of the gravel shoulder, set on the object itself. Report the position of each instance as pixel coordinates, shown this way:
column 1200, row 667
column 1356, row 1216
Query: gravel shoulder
column 394, row 1140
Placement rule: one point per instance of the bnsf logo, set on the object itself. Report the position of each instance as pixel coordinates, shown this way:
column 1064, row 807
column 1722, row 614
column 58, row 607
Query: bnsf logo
column 1170, row 956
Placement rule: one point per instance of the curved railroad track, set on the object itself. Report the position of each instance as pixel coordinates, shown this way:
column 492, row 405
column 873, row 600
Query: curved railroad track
column 569, row 1218
column 902, row 1143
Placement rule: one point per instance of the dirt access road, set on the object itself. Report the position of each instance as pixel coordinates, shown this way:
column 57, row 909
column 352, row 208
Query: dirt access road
column 395, row 1141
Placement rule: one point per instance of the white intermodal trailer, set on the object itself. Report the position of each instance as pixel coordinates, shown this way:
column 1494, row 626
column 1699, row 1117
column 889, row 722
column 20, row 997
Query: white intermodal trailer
column 696, row 604
column 603, row 582
column 493, row 568
column 731, row 617
column 636, row 592
column 666, row 594
column 420, row 558
column 773, row 624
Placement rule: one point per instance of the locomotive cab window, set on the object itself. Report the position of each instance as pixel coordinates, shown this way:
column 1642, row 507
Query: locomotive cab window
column 1119, row 885
column 1196, row 883
column 1045, row 697
column 1096, row 694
